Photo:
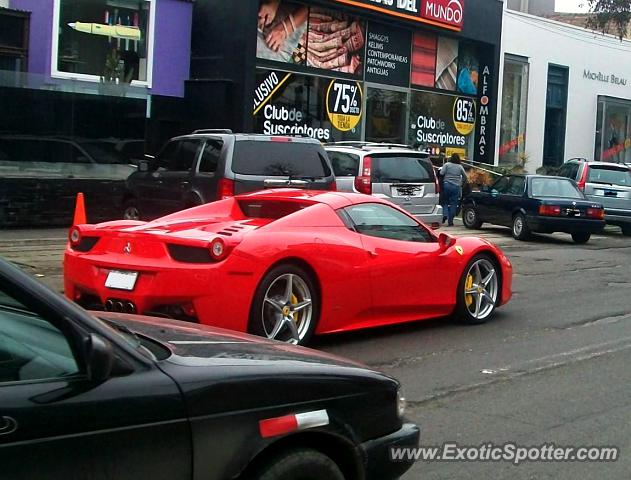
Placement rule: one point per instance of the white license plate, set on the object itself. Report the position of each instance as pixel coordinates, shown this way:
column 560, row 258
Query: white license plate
column 408, row 191
column 121, row 280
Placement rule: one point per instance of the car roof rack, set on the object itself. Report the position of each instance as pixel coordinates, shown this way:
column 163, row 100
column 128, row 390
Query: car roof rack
column 212, row 130
column 360, row 144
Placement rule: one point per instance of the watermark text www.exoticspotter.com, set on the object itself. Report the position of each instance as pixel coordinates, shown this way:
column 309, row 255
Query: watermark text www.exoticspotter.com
column 508, row 452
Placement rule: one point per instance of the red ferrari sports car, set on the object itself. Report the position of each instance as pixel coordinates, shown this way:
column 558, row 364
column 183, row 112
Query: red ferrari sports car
column 286, row 264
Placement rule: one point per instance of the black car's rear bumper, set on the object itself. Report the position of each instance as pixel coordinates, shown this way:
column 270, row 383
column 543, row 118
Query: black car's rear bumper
column 379, row 463
column 566, row 225
column 617, row 216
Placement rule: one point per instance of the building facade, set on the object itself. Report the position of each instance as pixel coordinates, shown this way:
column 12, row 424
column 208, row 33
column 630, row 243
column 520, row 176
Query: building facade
column 422, row 73
column 92, row 85
column 573, row 100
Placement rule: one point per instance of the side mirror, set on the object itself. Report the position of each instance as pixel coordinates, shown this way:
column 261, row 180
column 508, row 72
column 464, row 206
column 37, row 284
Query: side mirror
column 495, row 193
column 445, row 241
column 100, row 358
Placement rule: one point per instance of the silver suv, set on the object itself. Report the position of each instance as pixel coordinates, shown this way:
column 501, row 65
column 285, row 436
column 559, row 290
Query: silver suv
column 606, row 183
column 397, row 173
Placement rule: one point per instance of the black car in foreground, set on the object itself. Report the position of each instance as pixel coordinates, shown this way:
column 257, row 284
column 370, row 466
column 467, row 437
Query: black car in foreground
column 131, row 397
column 534, row 203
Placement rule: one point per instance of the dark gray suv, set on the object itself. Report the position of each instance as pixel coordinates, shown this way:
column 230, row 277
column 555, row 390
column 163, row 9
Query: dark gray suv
column 211, row 165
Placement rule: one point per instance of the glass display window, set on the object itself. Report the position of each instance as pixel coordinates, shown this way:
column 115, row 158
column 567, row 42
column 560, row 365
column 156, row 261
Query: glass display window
column 103, row 40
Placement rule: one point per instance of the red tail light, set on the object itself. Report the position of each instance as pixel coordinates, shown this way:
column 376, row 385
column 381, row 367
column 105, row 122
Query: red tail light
column 218, row 249
column 74, row 236
column 550, row 210
column 225, row 189
column 583, row 180
column 333, row 186
column 596, row 213
column 363, row 182
column 281, row 139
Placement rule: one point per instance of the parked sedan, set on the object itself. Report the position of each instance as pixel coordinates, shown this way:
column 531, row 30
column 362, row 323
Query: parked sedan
column 535, row 203
column 287, row 264
column 128, row 397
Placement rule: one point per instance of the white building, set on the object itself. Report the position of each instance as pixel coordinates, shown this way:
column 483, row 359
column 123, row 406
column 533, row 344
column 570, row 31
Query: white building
column 566, row 92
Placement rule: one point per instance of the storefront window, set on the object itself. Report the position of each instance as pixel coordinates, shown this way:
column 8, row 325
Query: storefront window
column 613, row 135
column 514, row 107
column 107, row 39
column 386, row 115
column 323, row 108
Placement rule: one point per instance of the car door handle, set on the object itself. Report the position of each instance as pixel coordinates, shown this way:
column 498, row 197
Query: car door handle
column 372, row 253
column 8, row 425
column 184, row 184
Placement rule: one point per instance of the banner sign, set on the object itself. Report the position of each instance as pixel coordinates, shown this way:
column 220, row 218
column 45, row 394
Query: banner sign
column 344, row 104
column 443, row 121
column 388, row 55
column 444, row 13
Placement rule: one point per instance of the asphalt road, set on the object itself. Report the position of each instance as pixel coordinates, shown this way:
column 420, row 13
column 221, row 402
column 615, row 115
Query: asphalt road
column 551, row 367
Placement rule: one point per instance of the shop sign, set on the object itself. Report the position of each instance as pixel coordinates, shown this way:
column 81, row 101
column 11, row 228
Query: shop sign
column 604, row 78
column 442, row 120
column 450, row 12
column 484, row 131
column 388, row 55
column 447, row 13
column 344, row 104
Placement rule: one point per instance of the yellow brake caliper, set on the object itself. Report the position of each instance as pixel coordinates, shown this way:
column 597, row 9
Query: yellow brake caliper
column 294, row 301
column 468, row 285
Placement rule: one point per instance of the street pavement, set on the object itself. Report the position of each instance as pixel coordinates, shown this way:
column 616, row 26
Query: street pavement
column 551, row 367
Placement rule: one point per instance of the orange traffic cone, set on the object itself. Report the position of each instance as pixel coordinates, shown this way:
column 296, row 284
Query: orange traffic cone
column 79, row 213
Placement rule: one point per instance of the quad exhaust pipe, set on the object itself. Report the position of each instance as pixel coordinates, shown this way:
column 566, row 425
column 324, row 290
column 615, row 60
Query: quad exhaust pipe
column 119, row 306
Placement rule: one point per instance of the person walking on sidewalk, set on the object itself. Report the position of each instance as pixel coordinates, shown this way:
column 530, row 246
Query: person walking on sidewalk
column 454, row 176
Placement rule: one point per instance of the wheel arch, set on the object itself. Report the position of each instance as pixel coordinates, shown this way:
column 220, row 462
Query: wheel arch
column 336, row 447
column 298, row 262
column 496, row 261
column 193, row 199
column 517, row 210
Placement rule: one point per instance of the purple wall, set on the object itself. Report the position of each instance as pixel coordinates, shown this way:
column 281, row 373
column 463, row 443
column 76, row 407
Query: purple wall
column 172, row 47
column 171, row 50
column 41, row 33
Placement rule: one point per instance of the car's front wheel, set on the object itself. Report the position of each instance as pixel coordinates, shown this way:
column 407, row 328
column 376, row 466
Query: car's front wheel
column 470, row 217
column 286, row 306
column 478, row 290
column 626, row 230
column 520, row 227
column 299, row 464
column 581, row 237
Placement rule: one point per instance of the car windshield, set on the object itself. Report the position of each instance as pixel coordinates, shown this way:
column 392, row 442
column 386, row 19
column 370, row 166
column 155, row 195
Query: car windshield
column 554, row 187
column 402, row 169
column 610, row 175
column 287, row 159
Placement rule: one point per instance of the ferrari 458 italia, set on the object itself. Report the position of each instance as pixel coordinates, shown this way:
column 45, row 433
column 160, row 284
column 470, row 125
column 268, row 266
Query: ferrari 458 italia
column 286, row 264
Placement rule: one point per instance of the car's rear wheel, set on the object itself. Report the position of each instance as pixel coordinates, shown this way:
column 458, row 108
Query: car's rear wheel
column 470, row 217
column 299, row 464
column 626, row 230
column 520, row 227
column 131, row 210
column 478, row 290
column 286, row 306
column 581, row 237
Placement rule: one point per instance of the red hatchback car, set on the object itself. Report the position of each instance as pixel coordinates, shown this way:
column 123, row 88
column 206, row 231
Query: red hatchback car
column 286, row 264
